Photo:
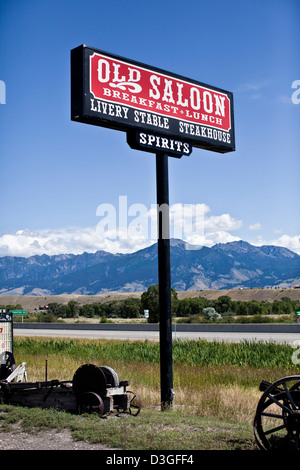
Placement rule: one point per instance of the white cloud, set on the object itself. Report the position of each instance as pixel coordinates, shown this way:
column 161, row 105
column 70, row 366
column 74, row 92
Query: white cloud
column 285, row 99
column 256, row 226
column 221, row 223
column 291, row 242
column 252, row 89
column 192, row 223
column 211, row 239
column 67, row 240
column 252, row 86
column 286, row 241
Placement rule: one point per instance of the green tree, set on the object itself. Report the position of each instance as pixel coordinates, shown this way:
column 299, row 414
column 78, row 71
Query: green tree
column 87, row 311
column 111, row 309
column 54, row 308
column 184, row 308
column 282, row 307
column 224, row 304
column 98, row 309
column 255, row 307
column 241, row 308
column 287, row 305
column 191, row 306
column 131, row 308
column 150, row 301
column 73, row 308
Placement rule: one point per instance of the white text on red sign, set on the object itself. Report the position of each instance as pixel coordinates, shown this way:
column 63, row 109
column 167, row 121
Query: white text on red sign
column 119, row 82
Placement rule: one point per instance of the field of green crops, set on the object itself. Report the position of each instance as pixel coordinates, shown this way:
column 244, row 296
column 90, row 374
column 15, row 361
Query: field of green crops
column 196, row 353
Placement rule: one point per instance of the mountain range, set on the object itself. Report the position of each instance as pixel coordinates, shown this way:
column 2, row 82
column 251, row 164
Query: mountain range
column 223, row 266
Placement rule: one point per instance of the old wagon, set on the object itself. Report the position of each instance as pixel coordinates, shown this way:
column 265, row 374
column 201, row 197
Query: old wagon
column 93, row 388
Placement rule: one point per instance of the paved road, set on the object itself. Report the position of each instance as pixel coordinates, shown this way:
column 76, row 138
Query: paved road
column 283, row 336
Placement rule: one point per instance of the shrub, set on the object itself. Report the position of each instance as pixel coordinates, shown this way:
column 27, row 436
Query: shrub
column 210, row 314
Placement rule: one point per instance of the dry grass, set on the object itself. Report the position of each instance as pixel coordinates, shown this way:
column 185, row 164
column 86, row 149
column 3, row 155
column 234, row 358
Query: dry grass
column 195, row 390
column 224, row 403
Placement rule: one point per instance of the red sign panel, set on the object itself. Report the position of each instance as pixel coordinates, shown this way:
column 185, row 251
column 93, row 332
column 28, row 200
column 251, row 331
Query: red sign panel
column 114, row 92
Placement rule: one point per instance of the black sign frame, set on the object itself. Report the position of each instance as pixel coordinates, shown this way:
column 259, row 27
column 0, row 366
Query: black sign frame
column 87, row 108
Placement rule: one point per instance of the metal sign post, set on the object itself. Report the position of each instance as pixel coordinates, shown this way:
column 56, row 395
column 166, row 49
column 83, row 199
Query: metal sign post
column 164, row 281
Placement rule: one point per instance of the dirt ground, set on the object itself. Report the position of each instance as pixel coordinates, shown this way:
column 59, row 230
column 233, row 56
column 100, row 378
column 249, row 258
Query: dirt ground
column 17, row 439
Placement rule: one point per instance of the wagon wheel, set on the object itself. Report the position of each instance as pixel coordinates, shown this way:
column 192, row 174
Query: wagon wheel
column 135, row 403
column 90, row 402
column 277, row 418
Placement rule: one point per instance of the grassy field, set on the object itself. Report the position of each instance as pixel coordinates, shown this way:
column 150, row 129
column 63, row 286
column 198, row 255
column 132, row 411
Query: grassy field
column 150, row 430
column 215, row 384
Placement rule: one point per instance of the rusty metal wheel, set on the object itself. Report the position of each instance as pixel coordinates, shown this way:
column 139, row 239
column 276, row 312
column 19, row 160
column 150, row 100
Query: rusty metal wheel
column 133, row 407
column 90, row 402
column 277, row 418
column 135, row 403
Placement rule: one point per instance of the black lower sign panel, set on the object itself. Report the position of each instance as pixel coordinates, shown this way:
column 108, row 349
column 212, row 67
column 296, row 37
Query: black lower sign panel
column 155, row 143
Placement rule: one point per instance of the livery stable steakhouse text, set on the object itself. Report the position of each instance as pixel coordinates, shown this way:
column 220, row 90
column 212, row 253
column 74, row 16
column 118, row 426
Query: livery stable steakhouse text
column 118, row 87
column 158, row 121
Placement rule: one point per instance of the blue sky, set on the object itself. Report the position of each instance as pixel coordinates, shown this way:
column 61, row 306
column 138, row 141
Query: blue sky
column 55, row 173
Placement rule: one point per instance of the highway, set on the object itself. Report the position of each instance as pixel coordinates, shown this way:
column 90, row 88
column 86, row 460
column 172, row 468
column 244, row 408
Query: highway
column 231, row 333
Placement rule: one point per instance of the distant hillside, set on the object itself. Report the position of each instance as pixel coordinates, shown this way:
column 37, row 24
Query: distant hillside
column 30, row 302
column 224, row 266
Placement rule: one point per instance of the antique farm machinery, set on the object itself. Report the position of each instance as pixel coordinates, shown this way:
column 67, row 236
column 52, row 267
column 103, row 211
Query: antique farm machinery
column 93, row 390
column 99, row 389
column 277, row 418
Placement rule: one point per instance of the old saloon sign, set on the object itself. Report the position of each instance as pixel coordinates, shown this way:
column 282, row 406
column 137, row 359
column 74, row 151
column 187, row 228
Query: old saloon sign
column 163, row 113
column 110, row 91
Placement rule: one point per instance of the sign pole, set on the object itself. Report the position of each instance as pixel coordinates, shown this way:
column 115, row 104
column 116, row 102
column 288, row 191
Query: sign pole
column 164, row 281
